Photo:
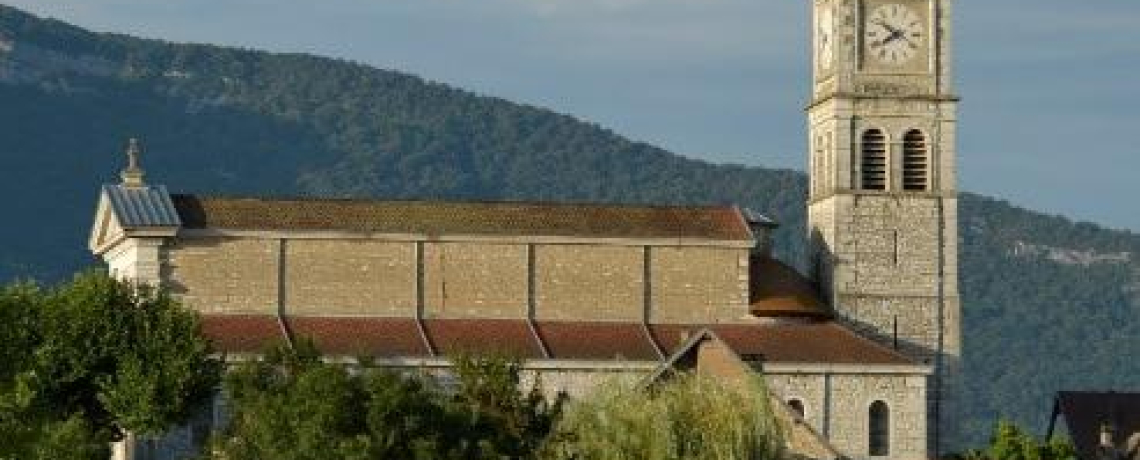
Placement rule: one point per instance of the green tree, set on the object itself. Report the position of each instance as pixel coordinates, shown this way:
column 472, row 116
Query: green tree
column 93, row 359
column 1010, row 442
column 292, row 406
column 509, row 422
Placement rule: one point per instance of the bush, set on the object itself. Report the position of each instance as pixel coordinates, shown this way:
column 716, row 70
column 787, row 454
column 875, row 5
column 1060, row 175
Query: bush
column 689, row 418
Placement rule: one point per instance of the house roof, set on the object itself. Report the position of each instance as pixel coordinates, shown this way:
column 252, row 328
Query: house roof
column 779, row 290
column 820, row 342
column 464, row 218
column 1085, row 413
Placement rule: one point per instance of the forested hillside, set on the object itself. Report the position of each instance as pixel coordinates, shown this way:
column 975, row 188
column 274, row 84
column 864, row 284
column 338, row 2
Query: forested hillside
column 1048, row 303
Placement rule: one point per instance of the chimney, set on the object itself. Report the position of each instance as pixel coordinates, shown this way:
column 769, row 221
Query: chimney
column 761, row 228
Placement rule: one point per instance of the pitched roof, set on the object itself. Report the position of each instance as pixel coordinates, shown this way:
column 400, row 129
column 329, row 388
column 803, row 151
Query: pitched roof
column 1086, row 412
column 243, row 334
column 483, row 336
column 146, row 206
column 723, row 223
column 822, row 342
column 779, row 290
column 600, row 341
column 800, row 438
column 375, row 337
column 814, row 342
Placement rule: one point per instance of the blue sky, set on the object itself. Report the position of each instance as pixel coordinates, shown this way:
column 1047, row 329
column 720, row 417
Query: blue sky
column 1051, row 88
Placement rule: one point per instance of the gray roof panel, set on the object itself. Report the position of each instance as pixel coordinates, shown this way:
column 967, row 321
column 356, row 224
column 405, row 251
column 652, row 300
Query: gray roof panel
column 148, row 206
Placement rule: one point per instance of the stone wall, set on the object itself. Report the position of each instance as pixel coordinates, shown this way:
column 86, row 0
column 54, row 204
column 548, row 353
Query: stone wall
column 578, row 383
column 589, row 282
column 836, row 405
column 698, row 285
column 892, row 264
column 717, row 360
column 454, row 279
column 224, row 275
column 464, row 280
column 350, row 277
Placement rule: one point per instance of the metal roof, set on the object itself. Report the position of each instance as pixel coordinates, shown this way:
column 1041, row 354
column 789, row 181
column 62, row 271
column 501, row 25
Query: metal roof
column 147, row 206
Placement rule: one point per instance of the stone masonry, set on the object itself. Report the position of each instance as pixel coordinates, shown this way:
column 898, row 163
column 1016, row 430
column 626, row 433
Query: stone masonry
column 887, row 258
column 475, row 279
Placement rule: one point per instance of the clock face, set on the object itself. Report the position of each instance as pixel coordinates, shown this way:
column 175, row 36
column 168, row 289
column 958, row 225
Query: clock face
column 893, row 34
column 825, row 41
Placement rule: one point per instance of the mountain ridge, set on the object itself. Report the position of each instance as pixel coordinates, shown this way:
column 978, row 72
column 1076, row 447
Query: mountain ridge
column 245, row 122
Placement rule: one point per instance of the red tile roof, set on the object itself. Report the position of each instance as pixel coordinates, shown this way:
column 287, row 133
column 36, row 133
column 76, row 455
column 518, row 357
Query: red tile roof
column 778, row 290
column 724, row 223
column 503, row 337
column 375, row 337
column 598, row 341
column 242, row 333
column 819, row 342
column 816, row 342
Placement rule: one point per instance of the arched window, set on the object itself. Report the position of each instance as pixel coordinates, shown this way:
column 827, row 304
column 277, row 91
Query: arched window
column 879, row 429
column 797, row 407
column 874, row 164
column 915, row 161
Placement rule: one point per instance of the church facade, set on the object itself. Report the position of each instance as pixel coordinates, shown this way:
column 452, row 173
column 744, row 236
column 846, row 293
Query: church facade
column 862, row 351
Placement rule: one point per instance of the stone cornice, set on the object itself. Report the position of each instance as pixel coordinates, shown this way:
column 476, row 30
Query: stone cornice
column 864, row 96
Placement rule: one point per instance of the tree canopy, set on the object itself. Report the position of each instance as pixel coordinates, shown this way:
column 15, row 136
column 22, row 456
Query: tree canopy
column 92, row 359
column 291, row 405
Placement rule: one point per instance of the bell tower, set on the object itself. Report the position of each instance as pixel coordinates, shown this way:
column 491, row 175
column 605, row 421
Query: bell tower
column 882, row 208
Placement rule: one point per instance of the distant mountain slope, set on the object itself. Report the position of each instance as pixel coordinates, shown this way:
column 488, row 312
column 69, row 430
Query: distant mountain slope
column 1048, row 303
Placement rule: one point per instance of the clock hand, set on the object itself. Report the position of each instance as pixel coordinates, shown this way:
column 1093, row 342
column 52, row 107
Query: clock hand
column 893, row 33
column 890, row 38
column 903, row 36
column 884, row 24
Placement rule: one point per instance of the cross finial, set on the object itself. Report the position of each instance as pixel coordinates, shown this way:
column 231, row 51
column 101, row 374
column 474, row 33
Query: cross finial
column 133, row 175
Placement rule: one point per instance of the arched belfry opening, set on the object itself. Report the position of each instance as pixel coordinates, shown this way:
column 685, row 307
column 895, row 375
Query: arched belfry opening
column 916, row 161
column 874, row 163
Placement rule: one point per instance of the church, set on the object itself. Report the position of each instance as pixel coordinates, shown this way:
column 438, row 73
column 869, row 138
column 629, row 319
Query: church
column 862, row 351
